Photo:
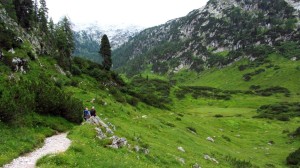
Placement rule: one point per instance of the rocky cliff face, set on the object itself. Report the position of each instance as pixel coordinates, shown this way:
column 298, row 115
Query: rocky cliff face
column 10, row 24
column 220, row 26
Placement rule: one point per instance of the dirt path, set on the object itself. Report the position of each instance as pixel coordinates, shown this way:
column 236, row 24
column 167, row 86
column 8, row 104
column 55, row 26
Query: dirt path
column 54, row 144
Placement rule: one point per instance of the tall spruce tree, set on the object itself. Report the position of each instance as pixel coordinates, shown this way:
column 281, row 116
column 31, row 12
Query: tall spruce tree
column 24, row 11
column 105, row 52
column 64, row 42
column 36, row 11
column 43, row 16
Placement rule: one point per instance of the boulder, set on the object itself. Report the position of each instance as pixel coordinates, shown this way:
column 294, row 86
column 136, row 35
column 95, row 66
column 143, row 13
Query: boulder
column 210, row 139
column 100, row 134
column 207, row 157
column 181, row 149
column 196, row 165
column 117, row 142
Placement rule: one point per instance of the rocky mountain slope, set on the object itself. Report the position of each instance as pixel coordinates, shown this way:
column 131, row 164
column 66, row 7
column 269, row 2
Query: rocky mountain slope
column 215, row 35
column 87, row 38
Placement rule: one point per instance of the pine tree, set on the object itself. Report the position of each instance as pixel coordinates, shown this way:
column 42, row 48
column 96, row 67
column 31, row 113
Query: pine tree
column 43, row 16
column 24, row 11
column 36, row 11
column 105, row 52
column 65, row 42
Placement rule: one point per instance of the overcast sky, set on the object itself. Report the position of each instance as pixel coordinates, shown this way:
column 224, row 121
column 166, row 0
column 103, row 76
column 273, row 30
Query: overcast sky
column 145, row 13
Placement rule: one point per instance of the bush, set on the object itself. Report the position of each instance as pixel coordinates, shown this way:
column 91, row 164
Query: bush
column 75, row 70
column 15, row 101
column 133, row 101
column 254, row 87
column 281, row 111
column 219, row 115
column 297, row 132
column 294, row 158
column 226, row 138
column 192, row 129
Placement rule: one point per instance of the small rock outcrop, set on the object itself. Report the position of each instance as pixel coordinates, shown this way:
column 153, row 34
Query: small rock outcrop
column 210, row 139
column 181, row 149
column 105, row 132
column 207, row 157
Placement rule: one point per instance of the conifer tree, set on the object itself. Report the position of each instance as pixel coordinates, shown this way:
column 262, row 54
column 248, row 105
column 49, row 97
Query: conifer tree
column 64, row 42
column 36, row 11
column 24, row 11
column 43, row 16
column 105, row 52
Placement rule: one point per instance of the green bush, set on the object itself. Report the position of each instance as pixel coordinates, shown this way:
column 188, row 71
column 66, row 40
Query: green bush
column 294, row 158
column 75, row 70
column 15, row 101
column 219, row 115
column 192, row 129
column 281, row 111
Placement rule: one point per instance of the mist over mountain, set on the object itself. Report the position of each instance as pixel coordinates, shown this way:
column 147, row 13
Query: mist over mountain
column 87, row 38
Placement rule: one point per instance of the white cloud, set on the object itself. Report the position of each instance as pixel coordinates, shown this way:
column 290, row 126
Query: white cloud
column 144, row 13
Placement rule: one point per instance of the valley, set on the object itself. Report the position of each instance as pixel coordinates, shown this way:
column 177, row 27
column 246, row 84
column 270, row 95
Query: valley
column 218, row 87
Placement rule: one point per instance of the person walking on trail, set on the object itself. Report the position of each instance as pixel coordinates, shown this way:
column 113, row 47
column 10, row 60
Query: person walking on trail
column 86, row 114
column 93, row 111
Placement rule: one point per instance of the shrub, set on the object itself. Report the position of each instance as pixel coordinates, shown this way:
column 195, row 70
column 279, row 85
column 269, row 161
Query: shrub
column 219, row 115
column 75, row 70
column 236, row 163
column 15, row 101
column 243, row 67
column 254, row 87
column 133, row 101
column 226, row 138
column 192, row 129
column 281, row 111
column 297, row 132
column 294, row 158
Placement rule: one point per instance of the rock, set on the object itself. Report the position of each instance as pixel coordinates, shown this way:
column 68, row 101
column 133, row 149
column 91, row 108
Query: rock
column 136, row 148
column 181, row 160
column 117, row 142
column 207, row 157
column 196, row 165
column 181, row 149
column 60, row 70
column 12, row 51
column 100, row 134
column 109, row 131
column 111, row 125
column 210, row 139
column 145, row 151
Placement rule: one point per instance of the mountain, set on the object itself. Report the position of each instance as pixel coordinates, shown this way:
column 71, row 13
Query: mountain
column 87, row 38
column 217, row 34
column 234, row 113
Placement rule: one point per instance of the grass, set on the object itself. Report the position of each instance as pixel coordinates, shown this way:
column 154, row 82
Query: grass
column 163, row 131
column 240, row 139
column 16, row 140
column 230, row 78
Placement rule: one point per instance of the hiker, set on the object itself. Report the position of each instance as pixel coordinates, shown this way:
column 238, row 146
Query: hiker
column 93, row 111
column 86, row 114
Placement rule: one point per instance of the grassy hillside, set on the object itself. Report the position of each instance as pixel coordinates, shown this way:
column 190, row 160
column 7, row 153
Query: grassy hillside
column 240, row 138
column 278, row 71
column 249, row 109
